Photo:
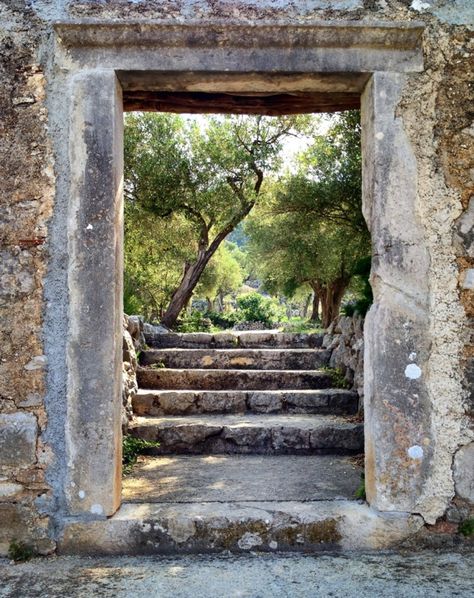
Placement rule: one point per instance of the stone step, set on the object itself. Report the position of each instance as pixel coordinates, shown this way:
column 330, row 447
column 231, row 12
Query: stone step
column 252, row 339
column 212, row 527
column 208, row 379
column 194, row 402
column 249, row 359
column 233, row 478
column 251, row 434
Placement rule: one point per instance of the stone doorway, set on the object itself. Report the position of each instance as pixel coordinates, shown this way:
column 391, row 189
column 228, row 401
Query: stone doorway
column 108, row 65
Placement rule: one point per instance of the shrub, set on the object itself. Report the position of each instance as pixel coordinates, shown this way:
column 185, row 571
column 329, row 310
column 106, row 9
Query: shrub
column 223, row 320
column 254, row 307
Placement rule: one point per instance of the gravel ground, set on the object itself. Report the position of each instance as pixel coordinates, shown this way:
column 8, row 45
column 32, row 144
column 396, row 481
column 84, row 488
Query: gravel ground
column 422, row 574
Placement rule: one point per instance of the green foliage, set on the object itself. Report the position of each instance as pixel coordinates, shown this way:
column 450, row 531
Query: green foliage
column 300, row 326
column 196, row 321
column 360, row 492
column 310, row 230
column 131, row 448
column 155, row 251
column 337, row 377
column 360, row 286
column 20, row 552
column 466, row 528
column 254, row 307
column 223, row 320
column 222, row 275
column 186, row 188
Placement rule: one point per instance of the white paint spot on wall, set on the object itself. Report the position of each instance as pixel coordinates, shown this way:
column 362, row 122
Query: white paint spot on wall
column 379, row 135
column 468, row 279
column 415, row 452
column 81, row 494
column 412, row 356
column 412, row 371
column 419, row 5
column 96, row 509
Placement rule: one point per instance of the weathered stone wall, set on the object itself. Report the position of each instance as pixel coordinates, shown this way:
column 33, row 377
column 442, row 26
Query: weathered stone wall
column 27, row 191
column 33, row 267
column 133, row 342
column 345, row 339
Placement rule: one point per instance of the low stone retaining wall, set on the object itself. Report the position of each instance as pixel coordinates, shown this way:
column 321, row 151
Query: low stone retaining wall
column 345, row 339
column 133, row 341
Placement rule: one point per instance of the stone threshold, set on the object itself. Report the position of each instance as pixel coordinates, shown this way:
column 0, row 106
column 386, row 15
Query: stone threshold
column 239, row 527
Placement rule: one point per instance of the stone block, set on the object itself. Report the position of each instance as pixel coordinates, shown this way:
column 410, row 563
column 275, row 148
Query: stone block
column 464, row 472
column 21, row 524
column 18, row 432
column 265, row 403
column 9, row 490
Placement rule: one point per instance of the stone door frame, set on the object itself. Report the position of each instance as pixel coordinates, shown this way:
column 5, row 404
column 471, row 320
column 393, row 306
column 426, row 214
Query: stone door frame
column 93, row 61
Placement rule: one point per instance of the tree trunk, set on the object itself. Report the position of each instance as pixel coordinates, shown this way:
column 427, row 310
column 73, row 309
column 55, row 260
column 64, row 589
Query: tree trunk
column 331, row 301
column 306, row 306
column 315, row 307
column 220, row 302
column 183, row 293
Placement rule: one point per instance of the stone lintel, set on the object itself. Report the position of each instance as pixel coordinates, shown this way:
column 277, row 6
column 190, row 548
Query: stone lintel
column 323, row 34
column 318, row 46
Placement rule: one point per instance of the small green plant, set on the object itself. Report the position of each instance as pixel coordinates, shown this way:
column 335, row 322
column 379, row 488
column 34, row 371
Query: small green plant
column 131, row 448
column 360, row 492
column 337, row 378
column 466, row 528
column 158, row 365
column 20, row 552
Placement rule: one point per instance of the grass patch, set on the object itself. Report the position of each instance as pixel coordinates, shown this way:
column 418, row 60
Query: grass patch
column 360, row 492
column 301, row 326
column 466, row 528
column 131, row 448
column 20, row 552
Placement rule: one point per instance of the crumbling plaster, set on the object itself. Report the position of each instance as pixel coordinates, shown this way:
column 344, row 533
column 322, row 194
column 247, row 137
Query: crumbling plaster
column 34, row 295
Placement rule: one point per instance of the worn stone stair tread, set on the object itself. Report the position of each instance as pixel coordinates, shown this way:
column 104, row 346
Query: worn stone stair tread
column 233, row 339
column 231, row 379
column 251, row 434
column 237, row 358
column 188, row 402
column 205, row 527
column 231, row 478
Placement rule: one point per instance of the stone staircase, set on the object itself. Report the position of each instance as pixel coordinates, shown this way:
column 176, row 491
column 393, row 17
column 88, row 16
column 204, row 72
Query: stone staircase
column 251, row 393
column 256, row 454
